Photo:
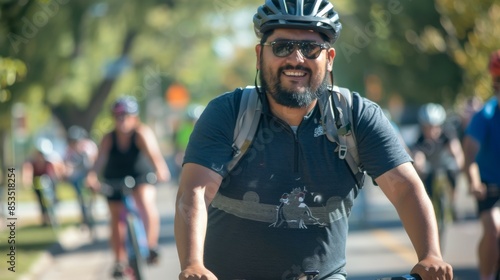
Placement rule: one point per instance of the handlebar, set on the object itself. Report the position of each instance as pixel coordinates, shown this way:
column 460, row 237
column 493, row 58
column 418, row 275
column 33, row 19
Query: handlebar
column 403, row 277
column 125, row 185
column 311, row 274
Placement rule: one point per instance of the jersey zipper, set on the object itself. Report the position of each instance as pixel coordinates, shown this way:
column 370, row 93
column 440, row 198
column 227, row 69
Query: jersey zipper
column 296, row 151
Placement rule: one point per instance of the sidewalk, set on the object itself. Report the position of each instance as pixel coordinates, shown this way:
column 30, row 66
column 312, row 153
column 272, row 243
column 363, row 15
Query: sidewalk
column 76, row 257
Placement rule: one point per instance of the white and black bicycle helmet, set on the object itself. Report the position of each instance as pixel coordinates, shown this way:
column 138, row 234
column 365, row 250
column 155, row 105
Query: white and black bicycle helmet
column 76, row 133
column 125, row 105
column 431, row 114
column 317, row 15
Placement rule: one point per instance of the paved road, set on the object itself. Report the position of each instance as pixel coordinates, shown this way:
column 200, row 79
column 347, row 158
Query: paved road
column 377, row 245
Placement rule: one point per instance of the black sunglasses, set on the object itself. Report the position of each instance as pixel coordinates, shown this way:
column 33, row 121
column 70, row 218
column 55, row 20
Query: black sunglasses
column 310, row 50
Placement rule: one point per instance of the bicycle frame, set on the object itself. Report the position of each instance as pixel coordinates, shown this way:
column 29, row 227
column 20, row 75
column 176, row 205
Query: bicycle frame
column 441, row 202
column 134, row 221
column 85, row 198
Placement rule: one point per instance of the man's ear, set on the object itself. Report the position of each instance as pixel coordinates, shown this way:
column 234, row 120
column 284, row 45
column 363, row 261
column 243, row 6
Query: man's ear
column 331, row 56
column 258, row 48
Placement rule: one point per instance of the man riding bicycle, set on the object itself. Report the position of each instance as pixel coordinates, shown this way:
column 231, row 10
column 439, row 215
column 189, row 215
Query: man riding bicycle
column 283, row 210
column 437, row 149
column 482, row 166
column 79, row 158
column 43, row 170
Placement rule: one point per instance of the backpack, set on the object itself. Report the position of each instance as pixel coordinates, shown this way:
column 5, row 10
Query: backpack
column 336, row 121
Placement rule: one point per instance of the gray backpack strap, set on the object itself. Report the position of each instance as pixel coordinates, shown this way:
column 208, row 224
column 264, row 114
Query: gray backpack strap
column 246, row 124
column 336, row 109
column 345, row 133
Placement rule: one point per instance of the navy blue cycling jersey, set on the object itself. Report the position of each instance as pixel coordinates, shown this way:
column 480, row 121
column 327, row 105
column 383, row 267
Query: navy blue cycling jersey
column 284, row 207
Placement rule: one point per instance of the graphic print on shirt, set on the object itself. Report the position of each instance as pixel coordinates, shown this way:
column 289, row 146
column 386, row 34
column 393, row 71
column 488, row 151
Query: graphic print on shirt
column 290, row 210
column 293, row 212
column 318, row 131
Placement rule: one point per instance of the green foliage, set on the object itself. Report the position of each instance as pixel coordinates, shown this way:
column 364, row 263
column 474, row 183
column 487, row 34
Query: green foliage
column 11, row 71
column 72, row 58
column 384, row 39
column 472, row 33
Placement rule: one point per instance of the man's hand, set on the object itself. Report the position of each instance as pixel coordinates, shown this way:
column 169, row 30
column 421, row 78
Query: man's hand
column 479, row 191
column 197, row 272
column 163, row 176
column 93, row 182
column 433, row 268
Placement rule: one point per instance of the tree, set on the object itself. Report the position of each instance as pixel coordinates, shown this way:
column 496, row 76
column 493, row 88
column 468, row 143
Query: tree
column 471, row 32
column 382, row 41
column 74, row 57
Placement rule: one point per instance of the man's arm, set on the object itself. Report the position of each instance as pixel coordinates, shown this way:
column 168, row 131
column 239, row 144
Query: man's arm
column 471, row 149
column 457, row 152
column 197, row 188
column 405, row 190
column 102, row 157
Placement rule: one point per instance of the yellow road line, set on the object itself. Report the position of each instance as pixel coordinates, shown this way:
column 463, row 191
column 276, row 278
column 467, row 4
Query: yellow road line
column 393, row 244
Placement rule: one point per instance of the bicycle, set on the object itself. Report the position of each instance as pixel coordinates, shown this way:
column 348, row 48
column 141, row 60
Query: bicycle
column 136, row 238
column 441, row 200
column 86, row 200
column 403, row 277
column 44, row 187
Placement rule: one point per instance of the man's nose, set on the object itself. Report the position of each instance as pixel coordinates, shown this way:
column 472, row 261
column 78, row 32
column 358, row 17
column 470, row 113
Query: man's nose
column 296, row 56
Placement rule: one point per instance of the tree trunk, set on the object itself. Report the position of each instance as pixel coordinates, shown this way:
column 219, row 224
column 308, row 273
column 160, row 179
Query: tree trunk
column 73, row 116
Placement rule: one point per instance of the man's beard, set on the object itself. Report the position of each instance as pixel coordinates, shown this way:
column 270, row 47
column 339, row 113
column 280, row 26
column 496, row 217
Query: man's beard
column 291, row 98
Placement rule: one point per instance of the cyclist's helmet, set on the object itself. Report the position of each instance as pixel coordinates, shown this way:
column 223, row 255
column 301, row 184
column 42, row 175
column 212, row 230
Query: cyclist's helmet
column 431, row 114
column 125, row 105
column 194, row 111
column 44, row 146
column 76, row 133
column 317, row 15
column 494, row 65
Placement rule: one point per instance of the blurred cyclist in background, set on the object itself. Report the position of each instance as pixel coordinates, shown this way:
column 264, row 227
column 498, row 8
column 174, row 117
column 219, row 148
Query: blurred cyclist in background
column 183, row 132
column 79, row 158
column 471, row 106
column 482, row 166
column 436, row 149
column 124, row 152
column 43, row 162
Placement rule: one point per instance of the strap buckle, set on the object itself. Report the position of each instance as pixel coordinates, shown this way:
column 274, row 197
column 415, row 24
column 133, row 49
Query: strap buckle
column 342, row 151
column 236, row 150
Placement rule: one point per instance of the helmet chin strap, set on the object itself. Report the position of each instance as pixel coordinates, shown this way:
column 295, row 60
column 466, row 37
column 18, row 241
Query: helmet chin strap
column 257, row 88
column 332, row 80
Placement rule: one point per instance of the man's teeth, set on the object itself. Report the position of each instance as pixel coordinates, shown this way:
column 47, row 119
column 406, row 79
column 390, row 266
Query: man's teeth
column 296, row 74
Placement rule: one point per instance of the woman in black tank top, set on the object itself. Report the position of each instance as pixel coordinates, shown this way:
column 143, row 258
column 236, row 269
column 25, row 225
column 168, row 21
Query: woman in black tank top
column 122, row 162
column 131, row 149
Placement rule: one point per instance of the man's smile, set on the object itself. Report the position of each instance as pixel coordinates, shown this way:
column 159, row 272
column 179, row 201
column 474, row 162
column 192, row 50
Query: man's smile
column 294, row 73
